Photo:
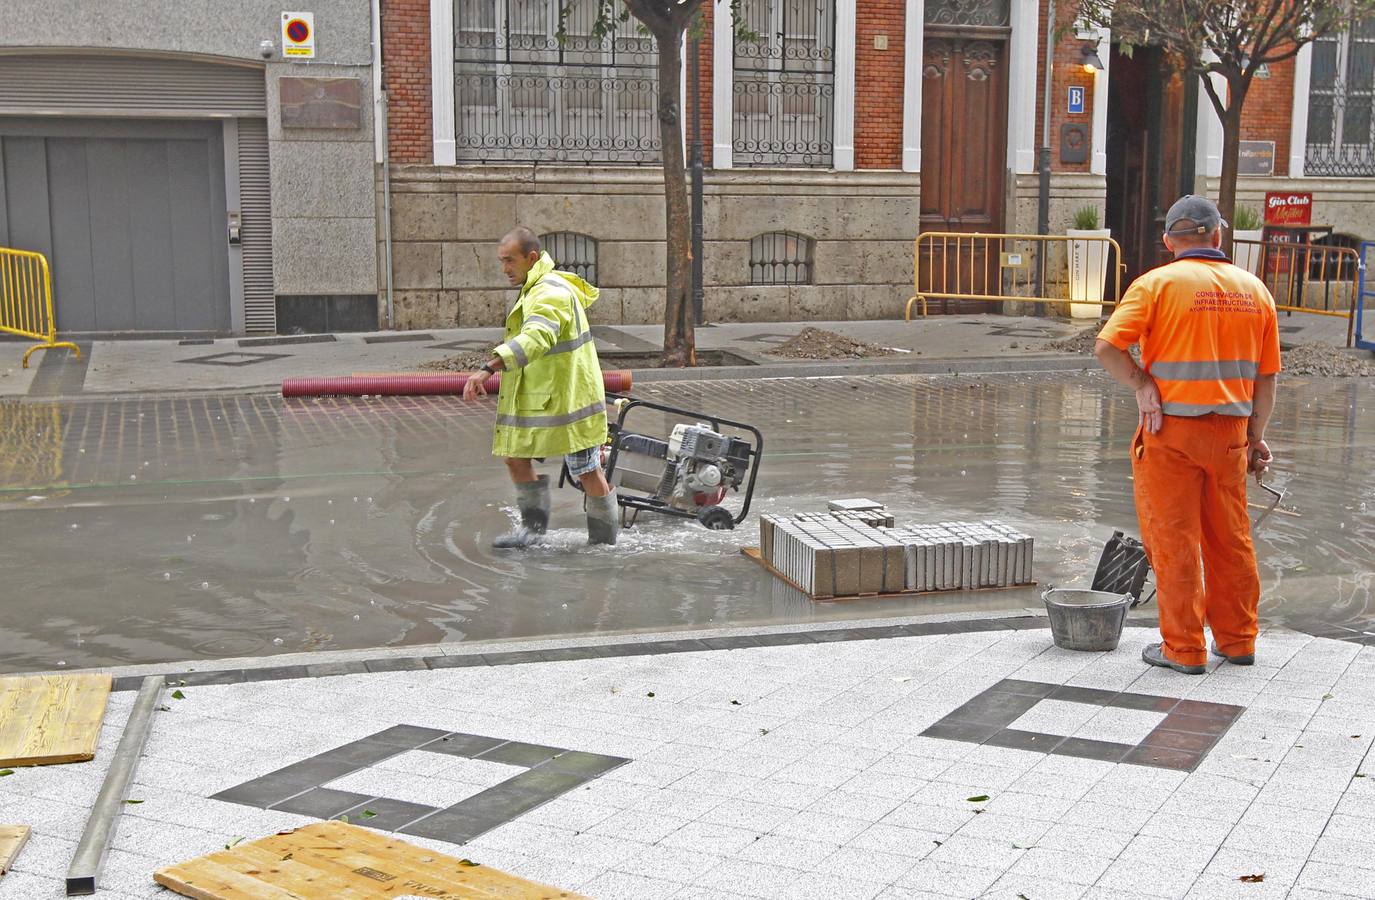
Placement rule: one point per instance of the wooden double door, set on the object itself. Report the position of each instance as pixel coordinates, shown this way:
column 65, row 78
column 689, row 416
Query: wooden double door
column 963, row 161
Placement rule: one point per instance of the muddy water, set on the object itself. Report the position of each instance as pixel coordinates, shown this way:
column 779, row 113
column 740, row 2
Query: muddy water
column 155, row 530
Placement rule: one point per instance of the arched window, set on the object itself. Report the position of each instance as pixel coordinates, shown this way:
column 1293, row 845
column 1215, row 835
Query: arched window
column 781, row 257
column 572, row 252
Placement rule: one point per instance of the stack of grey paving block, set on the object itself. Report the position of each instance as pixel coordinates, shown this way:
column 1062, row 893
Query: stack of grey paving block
column 951, row 556
column 854, row 549
column 829, row 557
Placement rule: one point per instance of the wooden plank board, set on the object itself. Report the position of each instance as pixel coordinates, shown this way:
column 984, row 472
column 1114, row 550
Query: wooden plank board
column 343, row 862
column 12, row 840
column 755, row 554
column 49, row 719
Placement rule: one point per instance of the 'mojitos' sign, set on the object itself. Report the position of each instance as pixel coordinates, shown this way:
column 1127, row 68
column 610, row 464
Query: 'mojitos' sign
column 1283, row 208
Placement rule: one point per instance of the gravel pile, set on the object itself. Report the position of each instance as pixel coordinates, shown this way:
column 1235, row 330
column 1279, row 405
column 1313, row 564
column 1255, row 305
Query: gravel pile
column 815, row 343
column 463, row 362
column 1324, row 359
column 1078, row 343
column 1305, row 359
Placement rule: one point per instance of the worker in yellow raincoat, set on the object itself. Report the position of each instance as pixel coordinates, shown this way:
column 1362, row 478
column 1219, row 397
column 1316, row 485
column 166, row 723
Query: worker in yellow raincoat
column 552, row 402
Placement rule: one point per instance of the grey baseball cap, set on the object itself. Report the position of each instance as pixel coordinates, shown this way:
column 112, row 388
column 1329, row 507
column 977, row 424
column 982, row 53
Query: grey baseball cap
column 1199, row 210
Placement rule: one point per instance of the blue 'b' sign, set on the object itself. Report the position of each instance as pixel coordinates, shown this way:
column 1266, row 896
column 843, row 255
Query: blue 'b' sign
column 1076, row 100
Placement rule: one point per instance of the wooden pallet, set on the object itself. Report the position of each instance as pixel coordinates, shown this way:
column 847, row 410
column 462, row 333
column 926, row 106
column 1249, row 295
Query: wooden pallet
column 12, row 840
column 50, row 719
column 755, row 554
column 343, row 862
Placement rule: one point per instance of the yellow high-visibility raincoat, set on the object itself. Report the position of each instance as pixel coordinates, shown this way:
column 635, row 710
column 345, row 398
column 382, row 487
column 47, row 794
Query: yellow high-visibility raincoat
column 552, row 401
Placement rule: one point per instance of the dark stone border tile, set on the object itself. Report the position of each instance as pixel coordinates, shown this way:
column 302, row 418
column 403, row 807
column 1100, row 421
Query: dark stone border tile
column 1026, row 740
column 549, row 772
column 457, row 661
column 395, row 664
column 387, row 814
column 1188, row 731
column 396, row 338
column 322, row 802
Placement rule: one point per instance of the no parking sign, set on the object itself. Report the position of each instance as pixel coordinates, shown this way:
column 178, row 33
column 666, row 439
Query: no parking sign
column 298, row 35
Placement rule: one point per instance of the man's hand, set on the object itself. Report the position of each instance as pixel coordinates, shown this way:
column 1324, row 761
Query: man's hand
column 1258, row 459
column 1148, row 403
column 476, row 386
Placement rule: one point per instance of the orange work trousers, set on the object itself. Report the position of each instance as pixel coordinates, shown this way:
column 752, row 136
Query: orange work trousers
column 1191, row 504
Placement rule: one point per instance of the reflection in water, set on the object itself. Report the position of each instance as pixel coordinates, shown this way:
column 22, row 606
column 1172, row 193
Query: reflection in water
column 169, row 529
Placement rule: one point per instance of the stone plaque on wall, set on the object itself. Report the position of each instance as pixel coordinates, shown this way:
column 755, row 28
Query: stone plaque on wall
column 320, row 102
column 1256, row 158
column 1074, row 143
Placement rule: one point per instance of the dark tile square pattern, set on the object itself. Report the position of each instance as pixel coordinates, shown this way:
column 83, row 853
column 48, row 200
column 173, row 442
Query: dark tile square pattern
column 1190, row 729
column 548, row 773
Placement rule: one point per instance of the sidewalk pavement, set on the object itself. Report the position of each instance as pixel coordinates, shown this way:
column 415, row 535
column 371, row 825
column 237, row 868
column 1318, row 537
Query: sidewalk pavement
column 896, row 759
column 935, row 345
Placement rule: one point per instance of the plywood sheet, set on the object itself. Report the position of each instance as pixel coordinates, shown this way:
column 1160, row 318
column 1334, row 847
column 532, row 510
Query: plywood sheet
column 48, row 719
column 343, row 862
column 12, row 840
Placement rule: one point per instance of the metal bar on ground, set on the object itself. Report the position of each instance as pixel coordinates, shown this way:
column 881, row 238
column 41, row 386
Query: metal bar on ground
column 100, row 827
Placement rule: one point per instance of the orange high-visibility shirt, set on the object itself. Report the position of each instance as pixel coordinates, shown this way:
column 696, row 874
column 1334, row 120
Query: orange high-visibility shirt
column 1207, row 330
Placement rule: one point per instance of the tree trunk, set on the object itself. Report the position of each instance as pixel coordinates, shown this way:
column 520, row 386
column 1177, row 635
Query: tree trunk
column 1231, row 156
column 679, row 340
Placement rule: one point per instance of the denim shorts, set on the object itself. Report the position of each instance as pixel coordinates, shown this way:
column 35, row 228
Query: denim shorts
column 583, row 461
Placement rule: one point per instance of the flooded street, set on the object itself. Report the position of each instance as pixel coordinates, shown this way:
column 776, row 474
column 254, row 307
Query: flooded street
column 153, row 530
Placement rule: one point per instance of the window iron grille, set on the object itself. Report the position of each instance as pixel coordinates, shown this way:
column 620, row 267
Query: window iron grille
column 780, row 257
column 572, row 252
column 1341, row 104
column 784, row 87
column 522, row 94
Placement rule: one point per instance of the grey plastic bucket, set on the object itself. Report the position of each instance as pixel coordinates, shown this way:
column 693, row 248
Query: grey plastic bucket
column 1086, row 620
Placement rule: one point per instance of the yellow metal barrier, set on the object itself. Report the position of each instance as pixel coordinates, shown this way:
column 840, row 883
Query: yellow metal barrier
column 1306, row 278
column 996, row 268
column 26, row 300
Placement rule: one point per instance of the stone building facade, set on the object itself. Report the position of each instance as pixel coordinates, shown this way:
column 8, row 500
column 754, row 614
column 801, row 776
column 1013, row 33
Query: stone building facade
column 186, row 175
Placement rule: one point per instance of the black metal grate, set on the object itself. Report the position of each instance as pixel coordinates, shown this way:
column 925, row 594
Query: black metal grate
column 1341, row 104
column 780, row 257
column 784, row 92
column 573, row 252
column 523, row 94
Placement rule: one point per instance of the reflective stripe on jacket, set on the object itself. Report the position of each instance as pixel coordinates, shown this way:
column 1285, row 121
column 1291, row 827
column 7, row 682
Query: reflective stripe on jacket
column 1207, row 330
column 551, row 401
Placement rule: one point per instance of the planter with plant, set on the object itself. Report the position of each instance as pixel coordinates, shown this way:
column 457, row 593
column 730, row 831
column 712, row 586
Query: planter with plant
column 1088, row 263
column 1246, row 237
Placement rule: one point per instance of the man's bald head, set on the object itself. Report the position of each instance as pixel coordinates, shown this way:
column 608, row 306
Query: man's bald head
column 525, row 240
column 518, row 252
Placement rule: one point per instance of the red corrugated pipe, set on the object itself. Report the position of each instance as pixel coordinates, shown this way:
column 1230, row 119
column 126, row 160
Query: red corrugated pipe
column 449, row 383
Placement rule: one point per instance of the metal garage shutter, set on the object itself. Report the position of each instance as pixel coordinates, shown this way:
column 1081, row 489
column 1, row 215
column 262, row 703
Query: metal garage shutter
column 99, row 85
column 255, row 202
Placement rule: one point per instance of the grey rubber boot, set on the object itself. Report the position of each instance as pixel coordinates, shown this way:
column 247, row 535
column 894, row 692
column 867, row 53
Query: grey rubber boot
column 532, row 499
column 603, row 519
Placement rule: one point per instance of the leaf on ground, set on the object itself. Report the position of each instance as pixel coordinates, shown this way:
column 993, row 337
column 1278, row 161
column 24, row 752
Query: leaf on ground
column 650, row 694
column 735, row 703
column 978, row 799
column 763, row 731
column 4, row 772
column 178, row 695
column 164, row 709
column 368, row 814
column 1252, row 879
column 234, row 843
column 1358, row 774
column 133, row 802
column 468, row 862
column 1327, row 696
column 344, row 819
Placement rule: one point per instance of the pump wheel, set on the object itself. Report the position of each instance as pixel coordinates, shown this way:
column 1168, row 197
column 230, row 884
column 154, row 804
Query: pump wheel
column 717, row 518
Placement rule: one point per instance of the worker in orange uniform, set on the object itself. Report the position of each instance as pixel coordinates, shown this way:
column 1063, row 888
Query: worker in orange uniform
column 1209, row 341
